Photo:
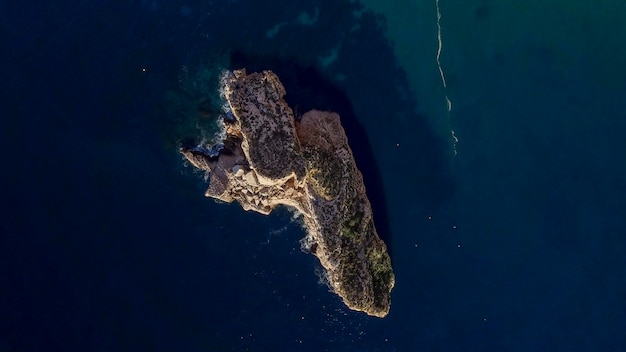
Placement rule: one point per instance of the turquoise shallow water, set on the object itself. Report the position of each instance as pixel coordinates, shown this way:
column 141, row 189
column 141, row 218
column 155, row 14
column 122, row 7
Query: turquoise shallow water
column 515, row 243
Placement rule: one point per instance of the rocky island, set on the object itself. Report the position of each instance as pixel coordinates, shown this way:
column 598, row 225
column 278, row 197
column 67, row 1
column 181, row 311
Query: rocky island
column 269, row 158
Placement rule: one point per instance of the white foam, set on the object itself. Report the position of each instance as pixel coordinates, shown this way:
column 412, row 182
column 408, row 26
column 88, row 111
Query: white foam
column 455, row 140
column 439, row 49
column 322, row 278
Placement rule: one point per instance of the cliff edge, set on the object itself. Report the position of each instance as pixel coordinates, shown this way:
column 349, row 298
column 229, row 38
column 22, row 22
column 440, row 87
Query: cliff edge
column 269, row 159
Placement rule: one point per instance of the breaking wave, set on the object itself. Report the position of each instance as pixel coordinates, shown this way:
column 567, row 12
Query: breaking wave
column 199, row 107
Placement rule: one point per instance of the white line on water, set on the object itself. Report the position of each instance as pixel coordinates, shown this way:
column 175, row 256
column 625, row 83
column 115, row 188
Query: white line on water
column 441, row 73
column 439, row 48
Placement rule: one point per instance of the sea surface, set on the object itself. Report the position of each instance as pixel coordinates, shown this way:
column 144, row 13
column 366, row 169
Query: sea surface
column 490, row 136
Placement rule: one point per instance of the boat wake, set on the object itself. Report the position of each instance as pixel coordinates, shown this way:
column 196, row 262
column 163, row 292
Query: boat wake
column 443, row 76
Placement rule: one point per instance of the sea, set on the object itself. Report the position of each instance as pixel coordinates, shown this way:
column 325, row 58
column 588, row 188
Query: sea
column 489, row 134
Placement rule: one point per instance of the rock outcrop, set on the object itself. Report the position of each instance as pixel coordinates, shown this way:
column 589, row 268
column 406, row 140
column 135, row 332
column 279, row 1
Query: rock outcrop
column 270, row 159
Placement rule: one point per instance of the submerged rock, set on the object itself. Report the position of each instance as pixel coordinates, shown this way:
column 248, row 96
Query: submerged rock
column 269, row 159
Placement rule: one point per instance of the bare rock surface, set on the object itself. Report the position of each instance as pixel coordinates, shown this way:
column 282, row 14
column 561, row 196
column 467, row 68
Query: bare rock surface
column 270, row 159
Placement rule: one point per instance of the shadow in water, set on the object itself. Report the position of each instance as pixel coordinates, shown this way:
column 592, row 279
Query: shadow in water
column 363, row 79
column 307, row 88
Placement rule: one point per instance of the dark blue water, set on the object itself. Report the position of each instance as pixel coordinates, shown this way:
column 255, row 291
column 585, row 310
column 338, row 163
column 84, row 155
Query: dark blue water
column 516, row 243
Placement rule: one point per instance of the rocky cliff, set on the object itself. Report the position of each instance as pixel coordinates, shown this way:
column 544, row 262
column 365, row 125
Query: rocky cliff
column 270, row 159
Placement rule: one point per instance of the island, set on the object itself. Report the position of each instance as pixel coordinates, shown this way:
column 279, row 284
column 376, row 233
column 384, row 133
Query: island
column 268, row 158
